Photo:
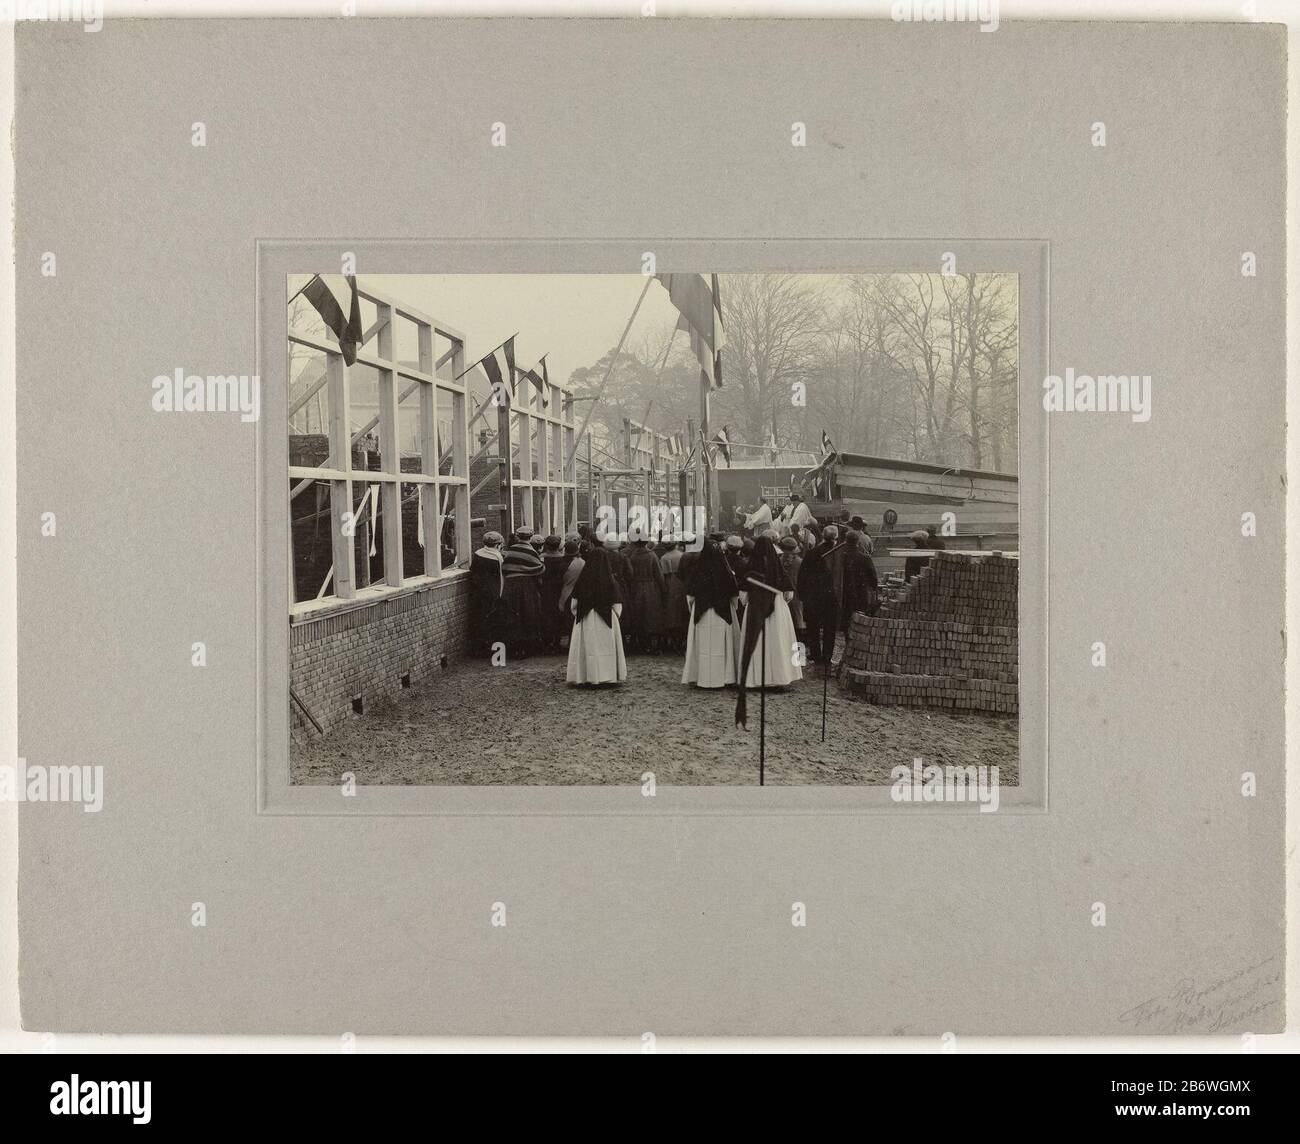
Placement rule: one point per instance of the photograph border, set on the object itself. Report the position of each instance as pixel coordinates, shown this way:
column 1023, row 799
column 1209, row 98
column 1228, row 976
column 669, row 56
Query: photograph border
column 276, row 259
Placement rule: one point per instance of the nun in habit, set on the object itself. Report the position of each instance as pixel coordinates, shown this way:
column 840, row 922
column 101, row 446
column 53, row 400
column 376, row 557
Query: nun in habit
column 768, row 639
column 596, row 645
column 713, row 636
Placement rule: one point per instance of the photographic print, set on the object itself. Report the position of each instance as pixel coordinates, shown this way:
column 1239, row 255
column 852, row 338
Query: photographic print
column 701, row 533
column 714, row 529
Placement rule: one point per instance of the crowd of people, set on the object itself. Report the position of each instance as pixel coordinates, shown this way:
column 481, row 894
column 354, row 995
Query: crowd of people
column 745, row 609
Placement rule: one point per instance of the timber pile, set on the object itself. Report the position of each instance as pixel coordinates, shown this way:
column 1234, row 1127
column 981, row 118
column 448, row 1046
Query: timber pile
column 950, row 640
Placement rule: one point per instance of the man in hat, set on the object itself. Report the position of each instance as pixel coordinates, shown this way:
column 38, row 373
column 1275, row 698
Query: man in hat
column 861, row 588
column 817, row 591
column 913, row 565
column 554, row 564
column 622, row 573
column 677, row 613
column 489, row 616
column 522, row 568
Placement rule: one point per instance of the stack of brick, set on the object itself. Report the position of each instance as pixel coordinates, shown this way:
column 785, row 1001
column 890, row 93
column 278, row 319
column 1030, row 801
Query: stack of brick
column 950, row 640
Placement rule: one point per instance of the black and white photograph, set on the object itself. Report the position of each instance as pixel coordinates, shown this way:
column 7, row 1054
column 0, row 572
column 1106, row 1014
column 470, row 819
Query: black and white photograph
column 647, row 527
column 722, row 529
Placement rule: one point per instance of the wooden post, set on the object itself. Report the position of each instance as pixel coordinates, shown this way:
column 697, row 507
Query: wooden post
column 507, row 483
column 340, row 491
column 543, row 453
column 390, row 457
column 692, row 444
column 710, row 477
column 429, row 492
column 591, row 488
column 460, row 463
column 526, row 465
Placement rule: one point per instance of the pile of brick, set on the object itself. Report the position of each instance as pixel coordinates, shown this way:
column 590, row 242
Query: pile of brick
column 950, row 640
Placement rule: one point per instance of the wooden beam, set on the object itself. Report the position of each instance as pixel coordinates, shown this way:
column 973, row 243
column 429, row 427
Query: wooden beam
column 390, row 453
column 344, row 570
column 429, row 461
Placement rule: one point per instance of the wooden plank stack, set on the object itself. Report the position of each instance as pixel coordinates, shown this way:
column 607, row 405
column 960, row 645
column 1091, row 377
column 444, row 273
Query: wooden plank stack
column 950, row 640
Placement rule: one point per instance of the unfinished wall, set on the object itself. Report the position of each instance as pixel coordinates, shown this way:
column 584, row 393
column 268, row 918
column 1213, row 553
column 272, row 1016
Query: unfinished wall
column 365, row 650
column 951, row 640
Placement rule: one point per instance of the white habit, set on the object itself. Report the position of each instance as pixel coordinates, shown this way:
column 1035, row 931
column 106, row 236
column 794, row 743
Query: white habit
column 712, row 649
column 781, row 639
column 596, row 648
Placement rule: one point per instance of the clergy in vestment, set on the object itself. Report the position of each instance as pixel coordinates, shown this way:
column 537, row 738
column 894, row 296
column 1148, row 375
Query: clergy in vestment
column 760, row 518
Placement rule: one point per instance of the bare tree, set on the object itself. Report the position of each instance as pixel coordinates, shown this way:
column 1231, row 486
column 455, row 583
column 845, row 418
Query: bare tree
column 772, row 323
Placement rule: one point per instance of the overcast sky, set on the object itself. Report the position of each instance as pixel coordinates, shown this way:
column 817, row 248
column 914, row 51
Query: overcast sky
column 573, row 318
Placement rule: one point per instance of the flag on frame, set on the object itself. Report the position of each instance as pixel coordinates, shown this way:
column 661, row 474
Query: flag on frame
column 509, row 348
column 827, row 447
column 722, row 439
column 700, row 309
column 347, row 330
column 541, row 382
column 496, row 378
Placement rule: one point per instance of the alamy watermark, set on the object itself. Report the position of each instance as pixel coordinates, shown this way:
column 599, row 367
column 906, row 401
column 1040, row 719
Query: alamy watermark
column 24, row 783
column 675, row 524
column 215, row 393
column 1105, row 393
column 933, row 783
column 981, row 12
column 89, row 13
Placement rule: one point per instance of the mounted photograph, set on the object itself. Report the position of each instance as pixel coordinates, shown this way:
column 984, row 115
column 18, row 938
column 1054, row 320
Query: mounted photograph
column 705, row 529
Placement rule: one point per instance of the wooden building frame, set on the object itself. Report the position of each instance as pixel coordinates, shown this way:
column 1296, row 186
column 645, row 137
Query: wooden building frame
column 441, row 493
column 535, row 433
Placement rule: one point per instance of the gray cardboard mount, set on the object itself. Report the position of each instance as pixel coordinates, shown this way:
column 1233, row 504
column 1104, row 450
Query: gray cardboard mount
column 627, row 914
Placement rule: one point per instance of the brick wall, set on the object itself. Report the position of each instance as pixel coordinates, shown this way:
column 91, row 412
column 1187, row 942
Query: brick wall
column 365, row 649
column 951, row 640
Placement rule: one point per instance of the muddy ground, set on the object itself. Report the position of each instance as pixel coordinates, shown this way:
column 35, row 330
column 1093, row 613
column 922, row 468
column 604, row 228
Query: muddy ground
column 479, row 725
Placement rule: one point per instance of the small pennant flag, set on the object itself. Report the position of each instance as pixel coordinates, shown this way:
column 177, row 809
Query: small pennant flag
column 347, row 330
column 719, row 335
column 723, row 441
column 827, row 447
column 496, row 378
column 541, row 382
